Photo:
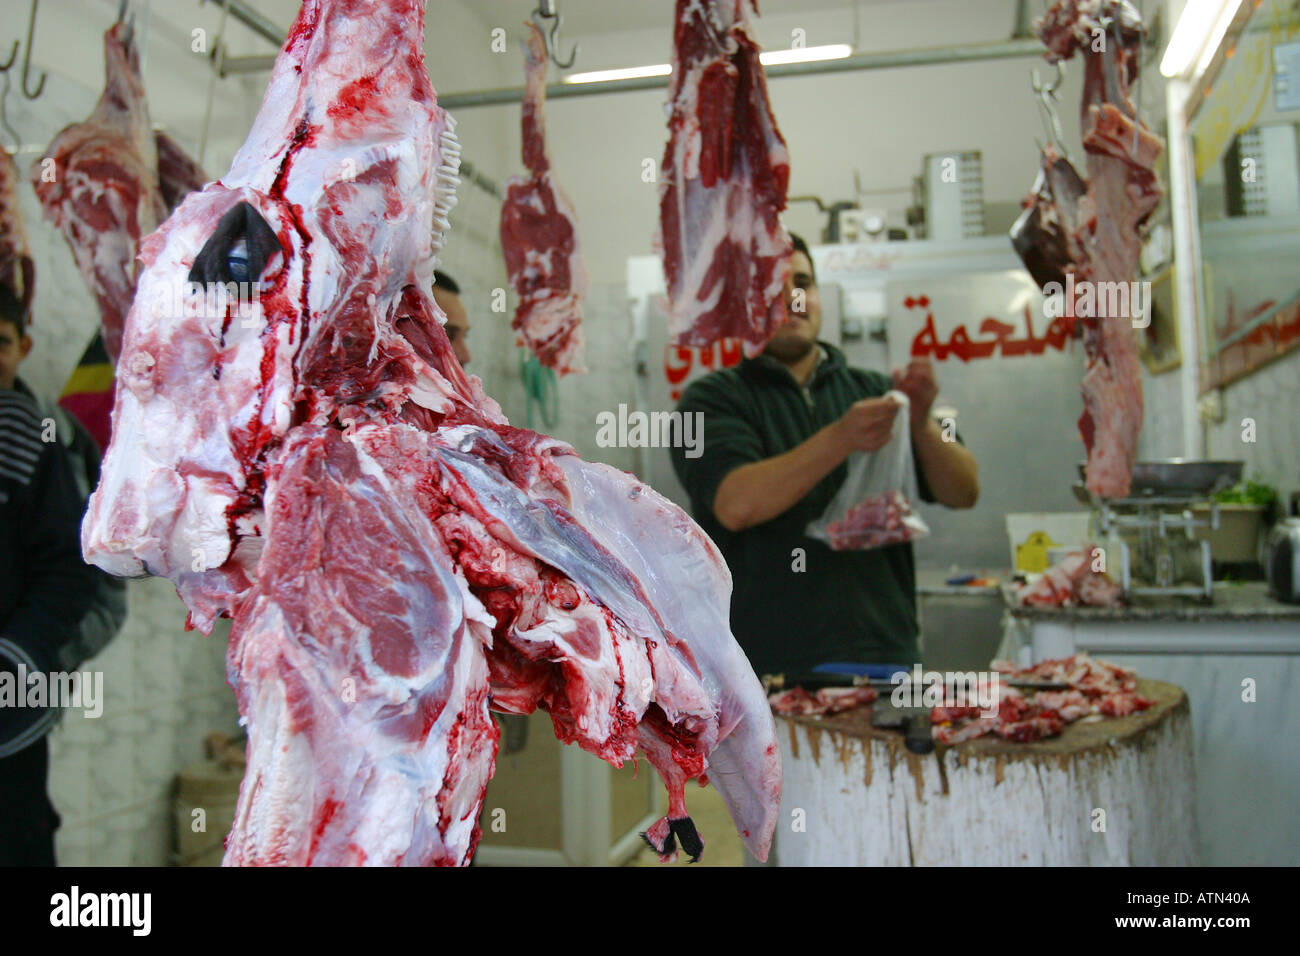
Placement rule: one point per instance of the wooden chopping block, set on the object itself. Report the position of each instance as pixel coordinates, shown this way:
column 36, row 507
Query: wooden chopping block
column 1118, row 791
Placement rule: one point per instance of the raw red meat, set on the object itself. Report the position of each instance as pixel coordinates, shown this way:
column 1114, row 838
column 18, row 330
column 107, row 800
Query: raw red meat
column 880, row 520
column 1047, row 724
column 1048, row 233
column 1096, row 687
column 98, row 182
column 723, row 184
column 178, row 174
column 1070, row 704
column 1072, row 582
column 17, row 268
column 1097, row 236
column 950, row 733
column 539, row 237
column 828, row 700
column 396, row 557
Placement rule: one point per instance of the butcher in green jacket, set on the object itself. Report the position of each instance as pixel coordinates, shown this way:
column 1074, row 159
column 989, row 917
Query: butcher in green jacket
column 777, row 431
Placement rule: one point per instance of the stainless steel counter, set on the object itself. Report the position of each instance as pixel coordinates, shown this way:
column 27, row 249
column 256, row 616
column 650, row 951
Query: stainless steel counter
column 1230, row 603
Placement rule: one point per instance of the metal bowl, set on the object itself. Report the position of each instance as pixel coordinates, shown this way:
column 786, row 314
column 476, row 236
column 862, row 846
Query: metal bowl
column 1180, row 477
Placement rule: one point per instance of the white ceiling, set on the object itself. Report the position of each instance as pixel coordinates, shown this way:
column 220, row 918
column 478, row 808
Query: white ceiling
column 588, row 17
column 584, row 18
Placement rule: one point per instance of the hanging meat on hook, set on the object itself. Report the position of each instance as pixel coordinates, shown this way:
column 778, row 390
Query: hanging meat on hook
column 98, row 183
column 396, row 558
column 1091, row 230
column 722, row 184
column 107, row 182
column 539, row 237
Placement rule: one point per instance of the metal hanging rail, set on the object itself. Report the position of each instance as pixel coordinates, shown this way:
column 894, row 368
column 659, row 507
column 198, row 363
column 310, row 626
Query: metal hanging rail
column 256, row 22
column 884, row 60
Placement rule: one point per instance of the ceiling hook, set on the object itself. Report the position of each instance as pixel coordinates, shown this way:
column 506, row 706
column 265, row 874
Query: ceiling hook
column 1047, row 101
column 27, row 57
column 547, row 10
column 555, row 42
column 1055, row 85
column 13, row 56
column 4, row 114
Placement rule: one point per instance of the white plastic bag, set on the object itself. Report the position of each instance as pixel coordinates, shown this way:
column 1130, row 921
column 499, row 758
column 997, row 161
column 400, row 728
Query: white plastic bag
column 874, row 507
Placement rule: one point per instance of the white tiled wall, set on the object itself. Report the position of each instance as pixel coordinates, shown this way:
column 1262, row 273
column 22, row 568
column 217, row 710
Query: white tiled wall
column 111, row 777
column 1271, row 397
column 1162, row 425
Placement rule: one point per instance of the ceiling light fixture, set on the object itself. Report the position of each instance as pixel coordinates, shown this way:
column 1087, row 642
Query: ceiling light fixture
column 811, row 54
column 1198, row 33
column 609, row 76
column 833, row 51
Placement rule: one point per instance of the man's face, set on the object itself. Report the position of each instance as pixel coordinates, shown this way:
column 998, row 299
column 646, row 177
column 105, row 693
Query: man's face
column 797, row 336
column 457, row 326
column 14, row 347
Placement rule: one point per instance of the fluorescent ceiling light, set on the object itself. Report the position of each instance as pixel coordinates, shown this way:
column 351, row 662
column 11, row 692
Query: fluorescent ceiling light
column 631, row 73
column 1199, row 30
column 834, row 51
column 1216, row 37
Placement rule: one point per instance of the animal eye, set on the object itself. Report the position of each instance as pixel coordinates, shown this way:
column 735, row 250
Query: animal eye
column 237, row 262
column 238, row 251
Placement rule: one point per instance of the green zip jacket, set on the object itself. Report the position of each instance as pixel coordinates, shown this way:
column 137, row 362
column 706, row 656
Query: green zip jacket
column 845, row 605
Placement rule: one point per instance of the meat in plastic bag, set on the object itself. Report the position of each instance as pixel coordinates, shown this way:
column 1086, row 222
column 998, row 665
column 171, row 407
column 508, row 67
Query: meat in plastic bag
column 874, row 507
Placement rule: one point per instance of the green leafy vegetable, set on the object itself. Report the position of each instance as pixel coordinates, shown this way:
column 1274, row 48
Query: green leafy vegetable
column 1248, row 493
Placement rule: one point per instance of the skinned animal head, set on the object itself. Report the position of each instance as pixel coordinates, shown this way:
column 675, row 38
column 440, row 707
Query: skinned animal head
column 293, row 290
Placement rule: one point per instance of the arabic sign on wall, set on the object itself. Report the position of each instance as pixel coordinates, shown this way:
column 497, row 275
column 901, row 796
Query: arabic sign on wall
column 683, row 365
column 973, row 318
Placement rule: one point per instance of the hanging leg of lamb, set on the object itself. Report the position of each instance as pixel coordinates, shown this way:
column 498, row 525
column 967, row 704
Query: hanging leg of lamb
column 98, row 182
column 396, row 557
column 17, row 268
column 722, row 184
column 539, row 237
column 1098, row 236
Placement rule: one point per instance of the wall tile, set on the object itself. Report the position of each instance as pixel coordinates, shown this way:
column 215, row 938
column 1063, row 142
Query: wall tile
column 71, row 754
column 112, row 768
column 72, row 846
column 154, row 748
column 1271, row 398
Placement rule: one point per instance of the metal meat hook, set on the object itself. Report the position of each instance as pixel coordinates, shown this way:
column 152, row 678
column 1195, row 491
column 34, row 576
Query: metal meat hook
column 1047, row 101
column 27, row 56
column 4, row 113
column 546, row 10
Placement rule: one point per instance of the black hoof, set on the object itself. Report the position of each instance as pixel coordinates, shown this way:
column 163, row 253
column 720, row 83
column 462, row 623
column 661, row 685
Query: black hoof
column 685, row 831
